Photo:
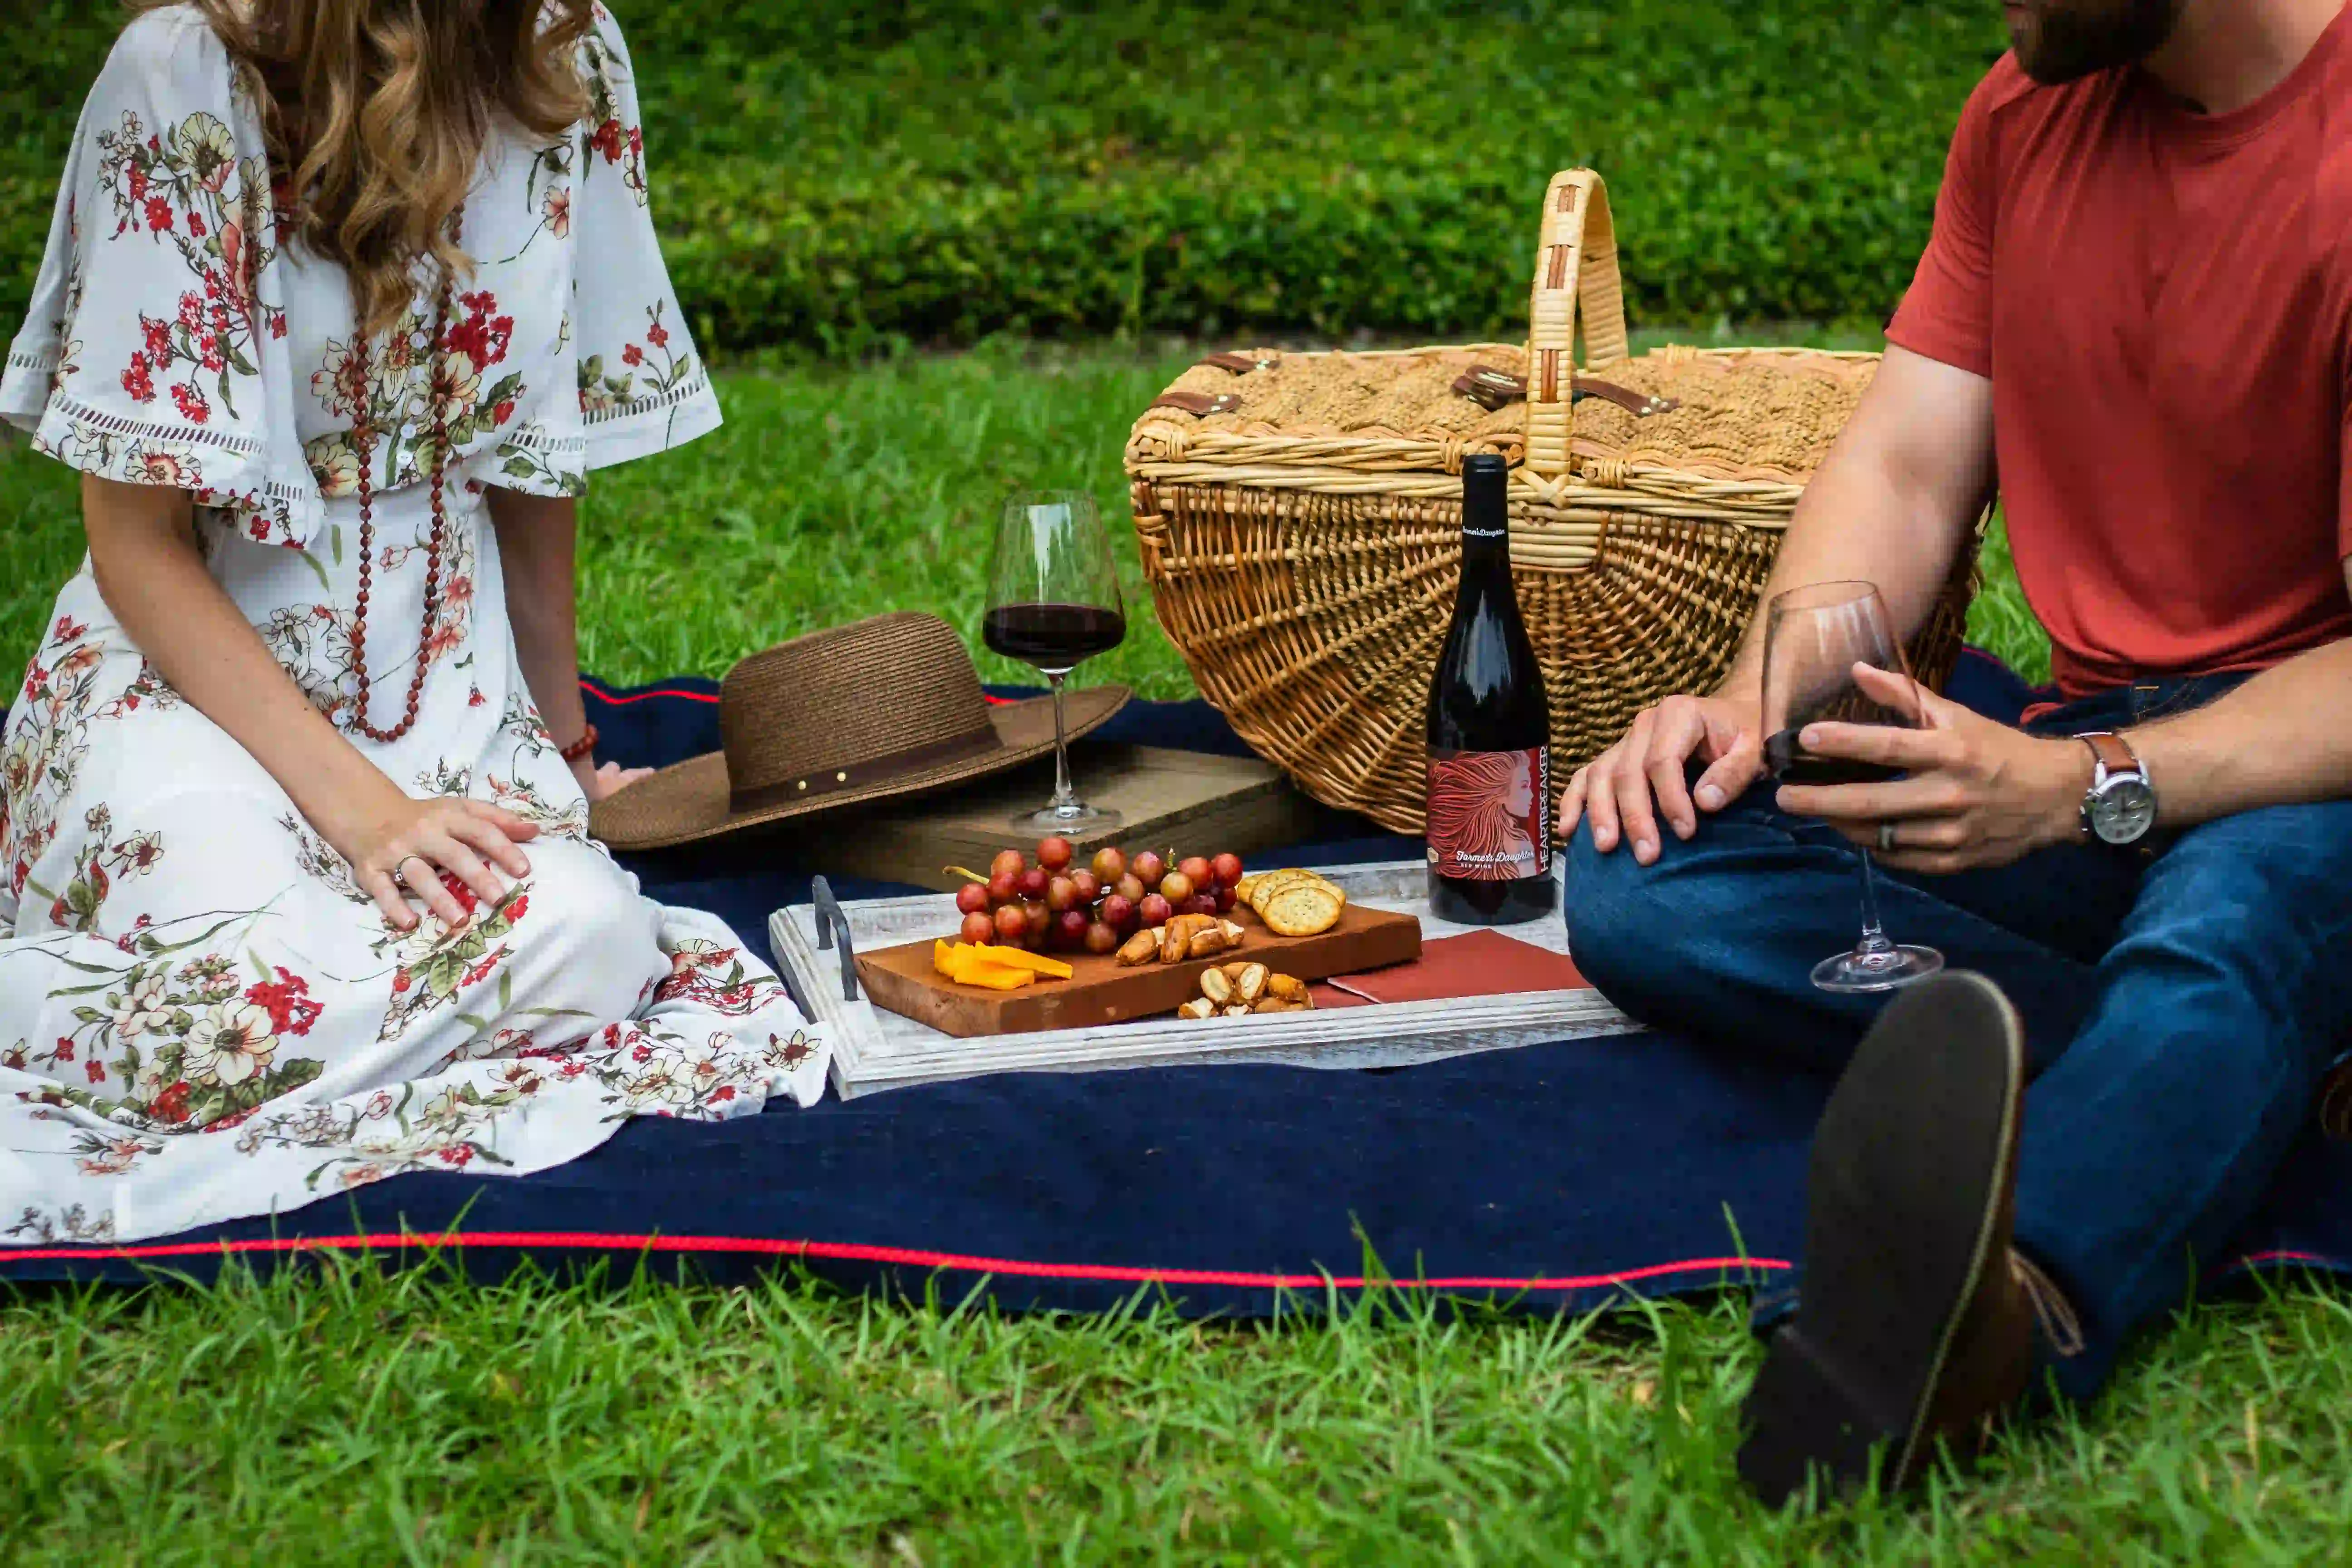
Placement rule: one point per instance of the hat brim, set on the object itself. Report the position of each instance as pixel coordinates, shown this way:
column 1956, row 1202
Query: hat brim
column 688, row 802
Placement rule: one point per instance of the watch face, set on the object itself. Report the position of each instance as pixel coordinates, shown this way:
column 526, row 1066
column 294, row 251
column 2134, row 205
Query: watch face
column 2124, row 811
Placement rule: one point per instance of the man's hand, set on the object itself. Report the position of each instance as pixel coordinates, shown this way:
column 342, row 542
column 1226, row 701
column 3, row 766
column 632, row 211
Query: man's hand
column 1979, row 793
column 1615, row 788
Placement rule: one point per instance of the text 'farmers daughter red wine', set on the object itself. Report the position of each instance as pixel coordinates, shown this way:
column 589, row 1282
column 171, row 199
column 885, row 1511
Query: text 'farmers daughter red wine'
column 1489, row 734
column 1052, row 637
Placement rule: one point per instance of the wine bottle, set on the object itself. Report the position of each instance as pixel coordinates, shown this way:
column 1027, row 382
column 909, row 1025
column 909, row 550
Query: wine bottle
column 1489, row 734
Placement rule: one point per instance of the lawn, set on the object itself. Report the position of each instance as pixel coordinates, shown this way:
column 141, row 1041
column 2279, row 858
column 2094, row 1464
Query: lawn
column 351, row 1418
column 832, row 493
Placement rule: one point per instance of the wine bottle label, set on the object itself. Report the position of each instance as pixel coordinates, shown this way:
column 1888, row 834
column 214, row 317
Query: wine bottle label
column 1489, row 814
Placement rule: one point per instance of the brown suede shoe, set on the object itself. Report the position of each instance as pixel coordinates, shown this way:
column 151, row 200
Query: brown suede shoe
column 1917, row 1321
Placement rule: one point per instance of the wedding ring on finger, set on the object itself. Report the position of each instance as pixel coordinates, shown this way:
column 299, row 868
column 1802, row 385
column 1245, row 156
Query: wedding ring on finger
column 1886, row 838
column 400, row 878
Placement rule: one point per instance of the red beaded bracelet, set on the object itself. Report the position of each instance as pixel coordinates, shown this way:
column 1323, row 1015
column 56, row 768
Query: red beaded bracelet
column 580, row 747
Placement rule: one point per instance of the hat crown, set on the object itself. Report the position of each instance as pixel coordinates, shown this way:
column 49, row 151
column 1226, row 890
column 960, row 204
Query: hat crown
column 824, row 710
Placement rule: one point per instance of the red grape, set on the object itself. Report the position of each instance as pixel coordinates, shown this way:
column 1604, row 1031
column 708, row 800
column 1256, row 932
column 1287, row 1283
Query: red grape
column 1150, row 865
column 1012, row 923
column 1033, row 882
column 1100, row 937
column 1226, row 868
column 1196, row 870
column 1109, row 864
column 972, row 899
column 1088, row 885
column 1176, row 886
column 1008, row 860
column 1155, row 910
column 1130, row 887
column 1038, row 915
column 1004, row 886
column 1117, row 912
column 1201, row 904
column 1226, row 897
column 1070, row 927
column 979, row 926
column 1061, row 892
column 1053, row 853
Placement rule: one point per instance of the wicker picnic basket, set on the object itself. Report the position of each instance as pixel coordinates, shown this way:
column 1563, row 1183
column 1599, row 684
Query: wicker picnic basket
column 1299, row 520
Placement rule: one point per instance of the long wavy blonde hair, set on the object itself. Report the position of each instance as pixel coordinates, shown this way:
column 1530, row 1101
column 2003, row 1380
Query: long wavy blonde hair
column 375, row 114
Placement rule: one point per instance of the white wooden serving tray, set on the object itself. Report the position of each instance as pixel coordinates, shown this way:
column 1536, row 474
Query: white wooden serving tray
column 874, row 1049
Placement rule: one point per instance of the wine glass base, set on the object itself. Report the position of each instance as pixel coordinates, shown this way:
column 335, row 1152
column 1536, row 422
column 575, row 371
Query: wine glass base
column 1887, row 970
column 1073, row 816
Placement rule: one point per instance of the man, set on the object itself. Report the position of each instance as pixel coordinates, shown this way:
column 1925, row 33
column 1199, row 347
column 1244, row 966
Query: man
column 2135, row 306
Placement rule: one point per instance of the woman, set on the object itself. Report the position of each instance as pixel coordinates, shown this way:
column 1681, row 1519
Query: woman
column 342, row 300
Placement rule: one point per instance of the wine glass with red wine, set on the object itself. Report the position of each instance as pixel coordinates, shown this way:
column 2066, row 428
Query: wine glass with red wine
column 1813, row 637
column 1053, row 602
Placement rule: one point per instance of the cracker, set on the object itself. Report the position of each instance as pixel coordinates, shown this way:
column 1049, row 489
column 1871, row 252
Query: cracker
column 1305, row 909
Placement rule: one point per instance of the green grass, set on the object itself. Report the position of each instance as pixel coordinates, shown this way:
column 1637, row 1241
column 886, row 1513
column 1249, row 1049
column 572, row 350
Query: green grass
column 352, row 1417
column 349, row 1417
column 829, row 494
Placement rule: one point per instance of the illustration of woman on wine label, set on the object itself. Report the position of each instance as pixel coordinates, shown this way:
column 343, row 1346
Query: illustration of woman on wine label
column 1486, row 815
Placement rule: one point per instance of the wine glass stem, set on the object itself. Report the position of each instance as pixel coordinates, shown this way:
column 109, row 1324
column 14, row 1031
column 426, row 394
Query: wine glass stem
column 1873, row 936
column 1063, row 794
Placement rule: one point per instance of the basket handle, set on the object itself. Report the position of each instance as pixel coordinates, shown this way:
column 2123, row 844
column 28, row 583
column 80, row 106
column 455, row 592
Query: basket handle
column 1576, row 266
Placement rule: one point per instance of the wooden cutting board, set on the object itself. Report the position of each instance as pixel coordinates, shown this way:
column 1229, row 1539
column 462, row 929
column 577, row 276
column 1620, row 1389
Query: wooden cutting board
column 1101, row 991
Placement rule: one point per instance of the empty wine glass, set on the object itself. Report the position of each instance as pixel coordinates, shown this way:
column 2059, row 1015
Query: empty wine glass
column 1813, row 637
column 1053, row 602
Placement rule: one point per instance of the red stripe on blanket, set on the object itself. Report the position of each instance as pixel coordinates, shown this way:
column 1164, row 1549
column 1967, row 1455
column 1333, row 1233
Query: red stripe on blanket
column 858, row 1253
column 602, row 696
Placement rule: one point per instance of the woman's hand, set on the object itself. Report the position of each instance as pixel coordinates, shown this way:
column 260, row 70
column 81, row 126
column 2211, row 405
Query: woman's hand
column 465, row 838
column 608, row 779
column 1617, row 788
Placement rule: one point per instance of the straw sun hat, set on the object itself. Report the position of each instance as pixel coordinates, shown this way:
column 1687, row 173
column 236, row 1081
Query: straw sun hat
column 869, row 711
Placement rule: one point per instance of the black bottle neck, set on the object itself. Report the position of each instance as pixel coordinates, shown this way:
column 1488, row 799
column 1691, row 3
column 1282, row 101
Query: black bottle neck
column 1486, row 524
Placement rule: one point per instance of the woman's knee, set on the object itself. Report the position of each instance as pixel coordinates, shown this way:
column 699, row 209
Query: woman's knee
column 583, row 920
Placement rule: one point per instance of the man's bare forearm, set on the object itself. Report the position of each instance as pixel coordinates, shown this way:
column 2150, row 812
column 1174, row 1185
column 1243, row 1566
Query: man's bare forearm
column 143, row 554
column 2278, row 740
column 537, row 540
column 1892, row 504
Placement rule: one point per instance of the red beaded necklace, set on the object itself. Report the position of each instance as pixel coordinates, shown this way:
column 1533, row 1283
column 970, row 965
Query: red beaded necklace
column 363, row 442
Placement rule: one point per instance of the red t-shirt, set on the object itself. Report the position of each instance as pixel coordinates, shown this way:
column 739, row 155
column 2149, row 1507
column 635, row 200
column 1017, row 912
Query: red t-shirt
column 2163, row 302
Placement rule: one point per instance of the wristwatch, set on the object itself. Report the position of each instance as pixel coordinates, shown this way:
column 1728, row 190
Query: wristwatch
column 2120, row 805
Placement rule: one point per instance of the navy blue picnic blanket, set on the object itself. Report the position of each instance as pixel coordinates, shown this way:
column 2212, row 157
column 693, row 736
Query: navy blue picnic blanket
column 1553, row 1177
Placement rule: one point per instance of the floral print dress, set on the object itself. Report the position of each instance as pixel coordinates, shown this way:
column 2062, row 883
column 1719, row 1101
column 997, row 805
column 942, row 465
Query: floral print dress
column 201, row 1015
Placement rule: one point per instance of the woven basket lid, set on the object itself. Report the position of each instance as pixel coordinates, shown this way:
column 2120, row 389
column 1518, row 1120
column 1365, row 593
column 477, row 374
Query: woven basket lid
column 875, row 711
column 1766, row 415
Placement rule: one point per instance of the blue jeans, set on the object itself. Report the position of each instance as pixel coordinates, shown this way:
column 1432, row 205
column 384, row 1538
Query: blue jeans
column 2182, row 1000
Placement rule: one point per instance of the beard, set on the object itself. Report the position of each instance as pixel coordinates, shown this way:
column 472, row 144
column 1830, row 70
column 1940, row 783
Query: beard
column 2063, row 40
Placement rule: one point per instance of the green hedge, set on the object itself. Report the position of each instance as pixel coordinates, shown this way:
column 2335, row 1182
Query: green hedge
column 938, row 171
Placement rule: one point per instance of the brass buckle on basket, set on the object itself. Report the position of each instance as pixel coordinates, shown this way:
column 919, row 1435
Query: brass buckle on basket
column 1490, row 388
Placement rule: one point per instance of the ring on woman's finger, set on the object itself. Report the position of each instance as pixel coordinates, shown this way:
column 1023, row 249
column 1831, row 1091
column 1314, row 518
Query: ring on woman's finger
column 1886, row 838
column 400, row 879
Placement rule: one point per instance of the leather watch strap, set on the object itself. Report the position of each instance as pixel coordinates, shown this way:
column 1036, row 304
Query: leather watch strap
column 2115, row 756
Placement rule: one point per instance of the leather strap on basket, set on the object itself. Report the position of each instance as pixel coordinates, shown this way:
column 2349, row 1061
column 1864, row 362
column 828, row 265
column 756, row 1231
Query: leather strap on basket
column 1242, row 364
column 1492, row 388
column 1199, row 405
column 1576, row 272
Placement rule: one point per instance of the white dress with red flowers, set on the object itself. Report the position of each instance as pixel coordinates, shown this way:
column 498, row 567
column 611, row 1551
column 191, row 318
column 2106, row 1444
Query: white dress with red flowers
column 201, row 1017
